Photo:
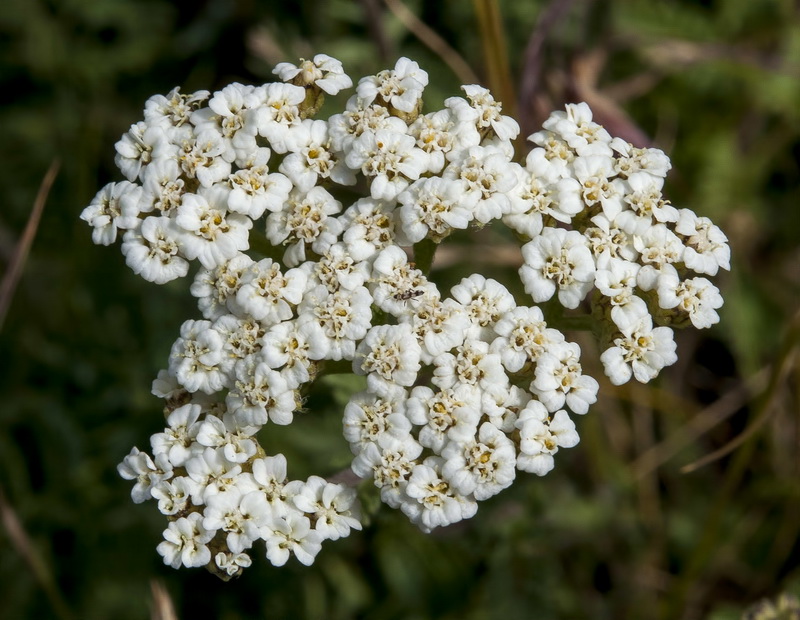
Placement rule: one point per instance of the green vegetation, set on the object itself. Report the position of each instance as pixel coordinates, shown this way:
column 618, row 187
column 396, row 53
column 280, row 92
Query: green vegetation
column 635, row 522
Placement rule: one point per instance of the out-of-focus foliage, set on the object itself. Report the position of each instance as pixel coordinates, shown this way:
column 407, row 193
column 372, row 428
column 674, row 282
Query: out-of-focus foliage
column 616, row 531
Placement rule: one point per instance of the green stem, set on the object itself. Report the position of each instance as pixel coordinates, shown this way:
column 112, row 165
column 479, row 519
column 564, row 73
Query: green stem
column 424, row 252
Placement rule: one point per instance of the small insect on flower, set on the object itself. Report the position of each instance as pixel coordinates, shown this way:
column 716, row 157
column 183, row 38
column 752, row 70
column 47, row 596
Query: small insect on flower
column 409, row 294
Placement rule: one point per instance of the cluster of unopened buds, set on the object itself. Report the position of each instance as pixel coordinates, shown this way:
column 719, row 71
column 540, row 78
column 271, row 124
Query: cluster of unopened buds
column 296, row 277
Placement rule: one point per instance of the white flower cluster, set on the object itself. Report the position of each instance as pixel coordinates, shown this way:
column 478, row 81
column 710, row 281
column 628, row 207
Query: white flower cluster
column 462, row 390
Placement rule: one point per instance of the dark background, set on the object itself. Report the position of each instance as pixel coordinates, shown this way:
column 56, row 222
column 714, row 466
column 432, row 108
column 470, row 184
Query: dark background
column 617, row 530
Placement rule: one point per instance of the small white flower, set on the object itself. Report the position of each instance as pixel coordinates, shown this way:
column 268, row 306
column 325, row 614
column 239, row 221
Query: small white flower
column 400, row 87
column 607, row 241
column 597, row 186
column 163, row 188
column 196, row 357
column 360, row 117
column 212, row 473
column 235, row 440
column 576, row 127
column 369, row 226
column 449, row 414
column 433, row 502
column 323, row 71
column 305, row 219
column 390, row 356
column 153, row 250
column 483, row 466
column 697, row 297
column 559, row 379
column 174, row 109
column 438, row 325
column 558, row 259
column 142, row 144
column 115, row 207
column 333, row 507
column 541, row 436
column 177, row 439
column 472, row 365
column 291, row 347
column 707, row 247
column 640, row 351
column 185, row 542
column 489, row 176
column 212, row 234
column 292, row 533
column 389, row 462
column 658, row 247
column 442, row 136
column 241, row 515
column 258, row 394
column 368, row 417
column 345, row 316
column 266, row 293
column 254, row 189
column 313, row 158
column 215, row 289
column 523, row 336
column 391, row 160
column 232, row 563
column 434, row 207
column 278, row 118
column 201, row 157
column 140, row 467
column 632, row 160
column 485, row 300
column 174, row 495
column 336, row 269
column 487, row 112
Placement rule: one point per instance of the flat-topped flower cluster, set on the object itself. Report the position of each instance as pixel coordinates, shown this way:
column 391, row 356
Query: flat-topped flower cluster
column 464, row 388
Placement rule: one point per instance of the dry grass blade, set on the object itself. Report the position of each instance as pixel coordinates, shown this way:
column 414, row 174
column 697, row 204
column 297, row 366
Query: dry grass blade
column 532, row 65
column 495, row 52
column 22, row 544
column 9, row 284
column 373, row 19
column 163, row 608
column 708, row 418
column 780, row 372
column 435, row 43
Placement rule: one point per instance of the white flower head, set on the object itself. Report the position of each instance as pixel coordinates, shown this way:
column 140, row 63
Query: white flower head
column 153, row 250
column 485, row 300
column 115, row 207
column 432, row 501
column 323, row 71
column 185, row 542
column 368, row 417
column 707, row 247
column 541, row 436
column 559, row 378
column 483, row 466
column 211, row 234
column 400, row 87
column 390, row 357
column 558, row 259
column 334, row 507
column 640, row 351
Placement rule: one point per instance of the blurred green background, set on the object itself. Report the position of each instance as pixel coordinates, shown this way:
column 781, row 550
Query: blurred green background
column 618, row 529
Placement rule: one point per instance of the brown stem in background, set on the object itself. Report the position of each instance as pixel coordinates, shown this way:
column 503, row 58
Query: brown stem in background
column 495, row 53
column 532, row 63
column 163, row 607
column 433, row 41
column 11, row 279
column 373, row 16
column 24, row 547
